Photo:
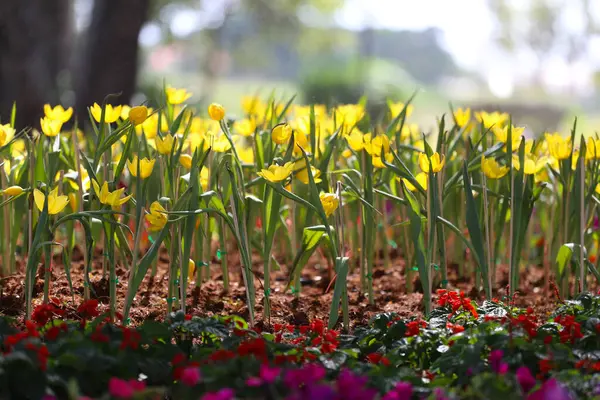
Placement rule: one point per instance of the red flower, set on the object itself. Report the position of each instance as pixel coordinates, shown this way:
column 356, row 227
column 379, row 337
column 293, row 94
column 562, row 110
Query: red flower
column 98, row 336
column 455, row 300
column 88, row 309
column 571, row 329
column 413, row 328
column 131, row 338
column 317, row 327
column 53, row 332
column 256, row 347
column 304, row 329
column 546, row 365
column 44, row 312
column 378, row 358
column 455, row 328
column 221, row 355
column 277, row 327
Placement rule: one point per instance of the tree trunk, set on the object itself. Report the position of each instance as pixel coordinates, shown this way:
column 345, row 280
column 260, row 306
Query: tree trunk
column 109, row 56
column 34, row 46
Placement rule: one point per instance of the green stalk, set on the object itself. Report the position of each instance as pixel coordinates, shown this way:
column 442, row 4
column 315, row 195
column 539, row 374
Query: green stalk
column 223, row 244
column 368, row 223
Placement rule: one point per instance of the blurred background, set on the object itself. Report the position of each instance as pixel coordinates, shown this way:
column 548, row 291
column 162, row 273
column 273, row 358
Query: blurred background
column 538, row 59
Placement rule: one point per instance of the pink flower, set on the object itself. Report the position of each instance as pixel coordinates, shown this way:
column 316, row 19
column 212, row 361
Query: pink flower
column 190, row 376
column 495, row 360
column 223, row 394
column 268, row 374
column 120, row 388
column 124, row 389
column 525, row 379
column 254, row 381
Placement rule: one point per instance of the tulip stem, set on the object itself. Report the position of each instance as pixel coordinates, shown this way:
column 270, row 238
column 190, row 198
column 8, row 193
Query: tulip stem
column 7, row 268
column 488, row 235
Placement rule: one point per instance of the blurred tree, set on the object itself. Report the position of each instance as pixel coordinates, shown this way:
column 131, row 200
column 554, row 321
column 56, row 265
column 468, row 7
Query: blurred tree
column 109, row 59
column 535, row 25
column 34, row 47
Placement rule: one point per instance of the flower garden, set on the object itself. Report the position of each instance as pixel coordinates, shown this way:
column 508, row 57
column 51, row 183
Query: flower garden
column 296, row 251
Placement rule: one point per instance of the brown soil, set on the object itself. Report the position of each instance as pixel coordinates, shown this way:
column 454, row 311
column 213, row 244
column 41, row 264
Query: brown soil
column 210, row 299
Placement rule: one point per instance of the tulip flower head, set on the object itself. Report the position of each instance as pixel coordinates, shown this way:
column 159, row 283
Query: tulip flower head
column 216, row 112
column 177, row 96
column 111, row 114
column 281, row 133
column 58, row 113
column 157, row 218
column 109, row 198
column 492, row 169
column 330, row 202
column 437, row 162
column 146, row 167
column 56, row 202
column 137, row 115
column 50, row 127
column 13, row 191
column 165, row 144
column 277, row 173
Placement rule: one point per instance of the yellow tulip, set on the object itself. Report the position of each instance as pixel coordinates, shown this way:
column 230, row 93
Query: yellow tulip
column 437, row 162
column 277, row 173
column 221, row 144
column 216, row 112
column 13, row 191
column 533, row 164
column 146, row 167
column 373, row 146
column 245, row 127
column 186, row 161
column 166, row 144
column 330, row 202
column 6, row 134
column 396, row 109
column 125, row 112
column 421, row 178
column 410, row 131
column 462, row 116
column 493, row 119
column 137, row 115
column 592, row 149
column 157, row 218
column 191, row 267
column 177, row 96
column 204, row 178
column 349, row 115
column 378, row 163
column 281, row 133
column 109, row 198
column 246, row 155
column 492, row 169
column 73, row 201
column 253, row 105
column 559, row 147
column 111, row 114
column 502, row 135
column 300, row 141
column 356, row 140
column 302, row 172
column 50, row 127
column 56, row 203
column 58, row 113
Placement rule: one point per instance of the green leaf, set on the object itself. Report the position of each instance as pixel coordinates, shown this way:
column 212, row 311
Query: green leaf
column 311, row 237
column 475, row 232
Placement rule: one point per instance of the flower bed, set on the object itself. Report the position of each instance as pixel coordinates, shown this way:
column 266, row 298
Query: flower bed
column 464, row 350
